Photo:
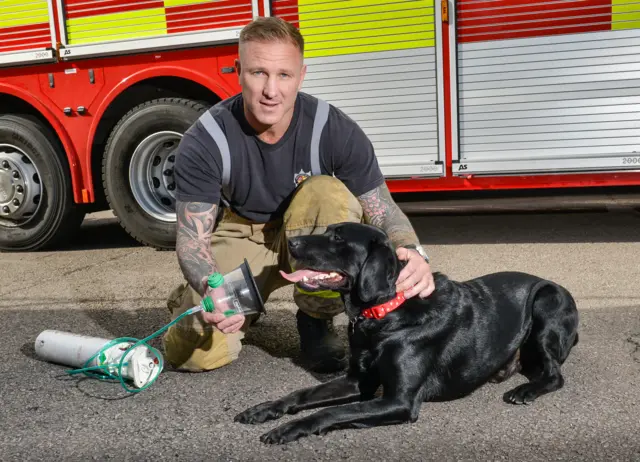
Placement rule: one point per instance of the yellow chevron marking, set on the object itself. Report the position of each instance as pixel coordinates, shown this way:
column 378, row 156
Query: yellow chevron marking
column 117, row 26
column 342, row 27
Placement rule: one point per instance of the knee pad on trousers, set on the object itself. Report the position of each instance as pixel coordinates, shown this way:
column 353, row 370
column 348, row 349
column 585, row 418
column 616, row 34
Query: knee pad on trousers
column 191, row 351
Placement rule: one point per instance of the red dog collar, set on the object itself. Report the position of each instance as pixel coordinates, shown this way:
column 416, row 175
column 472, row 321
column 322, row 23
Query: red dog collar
column 380, row 311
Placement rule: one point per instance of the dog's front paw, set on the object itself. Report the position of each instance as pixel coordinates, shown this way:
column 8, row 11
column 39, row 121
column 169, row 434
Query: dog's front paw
column 285, row 433
column 260, row 413
column 523, row 394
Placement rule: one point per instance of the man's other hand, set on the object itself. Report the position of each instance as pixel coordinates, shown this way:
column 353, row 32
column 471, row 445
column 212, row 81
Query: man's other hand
column 415, row 278
column 227, row 325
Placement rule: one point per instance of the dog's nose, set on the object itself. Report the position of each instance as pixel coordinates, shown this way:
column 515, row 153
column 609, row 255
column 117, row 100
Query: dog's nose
column 294, row 247
column 294, row 243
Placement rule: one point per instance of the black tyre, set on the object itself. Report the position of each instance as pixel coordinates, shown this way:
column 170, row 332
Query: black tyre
column 137, row 168
column 37, row 210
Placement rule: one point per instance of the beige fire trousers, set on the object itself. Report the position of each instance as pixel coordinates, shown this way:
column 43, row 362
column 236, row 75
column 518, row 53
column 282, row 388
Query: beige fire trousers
column 194, row 345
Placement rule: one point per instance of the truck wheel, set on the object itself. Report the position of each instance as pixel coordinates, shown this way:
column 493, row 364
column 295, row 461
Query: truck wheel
column 36, row 197
column 137, row 169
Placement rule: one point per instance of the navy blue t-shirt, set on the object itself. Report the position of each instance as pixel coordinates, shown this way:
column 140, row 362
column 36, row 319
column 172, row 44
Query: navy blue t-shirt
column 263, row 176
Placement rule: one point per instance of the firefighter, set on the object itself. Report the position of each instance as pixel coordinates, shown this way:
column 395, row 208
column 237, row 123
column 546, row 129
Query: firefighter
column 284, row 164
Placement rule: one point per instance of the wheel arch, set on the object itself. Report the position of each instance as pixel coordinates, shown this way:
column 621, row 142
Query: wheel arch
column 146, row 85
column 137, row 167
column 22, row 102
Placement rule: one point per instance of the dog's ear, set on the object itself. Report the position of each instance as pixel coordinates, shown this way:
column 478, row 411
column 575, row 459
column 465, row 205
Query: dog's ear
column 377, row 277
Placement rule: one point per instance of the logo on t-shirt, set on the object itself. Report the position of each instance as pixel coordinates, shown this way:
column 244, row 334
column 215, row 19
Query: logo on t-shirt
column 300, row 177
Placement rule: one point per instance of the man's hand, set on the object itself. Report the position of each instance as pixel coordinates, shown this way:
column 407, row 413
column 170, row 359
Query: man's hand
column 415, row 278
column 228, row 325
column 381, row 210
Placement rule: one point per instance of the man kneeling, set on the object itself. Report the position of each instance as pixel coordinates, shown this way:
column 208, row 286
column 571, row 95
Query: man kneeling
column 285, row 164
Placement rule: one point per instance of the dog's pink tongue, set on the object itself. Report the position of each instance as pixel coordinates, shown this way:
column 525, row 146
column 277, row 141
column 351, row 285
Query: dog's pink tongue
column 298, row 275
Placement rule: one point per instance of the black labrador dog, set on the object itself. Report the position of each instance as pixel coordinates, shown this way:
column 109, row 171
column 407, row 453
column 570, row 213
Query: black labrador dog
column 443, row 347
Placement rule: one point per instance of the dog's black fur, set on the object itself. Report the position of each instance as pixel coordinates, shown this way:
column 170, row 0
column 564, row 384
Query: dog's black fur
column 443, row 347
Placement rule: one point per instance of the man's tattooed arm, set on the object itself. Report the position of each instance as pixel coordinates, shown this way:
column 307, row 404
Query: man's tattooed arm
column 381, row 210
column 193, row 242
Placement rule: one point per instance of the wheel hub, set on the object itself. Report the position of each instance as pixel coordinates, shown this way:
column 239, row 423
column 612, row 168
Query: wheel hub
column 151, row 174
column 19, row 184
column 6, row 186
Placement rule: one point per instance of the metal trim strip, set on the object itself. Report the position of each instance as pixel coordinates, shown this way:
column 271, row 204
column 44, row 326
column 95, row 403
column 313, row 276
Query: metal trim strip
column 453, row 70
column 152, row 43
column 62, row 21
column 442, row 154
column 410, row 169
column 545, row 166
column 11, row 58
column 52, row 24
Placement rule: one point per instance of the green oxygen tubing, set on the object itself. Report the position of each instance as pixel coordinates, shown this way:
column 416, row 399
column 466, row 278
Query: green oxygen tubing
column 114, row 370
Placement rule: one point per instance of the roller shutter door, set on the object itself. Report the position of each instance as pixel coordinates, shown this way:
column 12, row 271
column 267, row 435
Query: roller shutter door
column 548, row 85
column 26, row 32
column 377, row 61
column 116, row 27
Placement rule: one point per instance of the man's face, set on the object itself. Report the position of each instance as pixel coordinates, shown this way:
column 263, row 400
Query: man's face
column 271, row 74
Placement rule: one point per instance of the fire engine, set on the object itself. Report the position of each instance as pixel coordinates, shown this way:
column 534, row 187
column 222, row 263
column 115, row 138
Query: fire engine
column 465, row 95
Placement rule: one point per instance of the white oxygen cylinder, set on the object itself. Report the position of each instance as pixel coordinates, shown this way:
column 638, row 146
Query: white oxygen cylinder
column 74, row 350
column 68, row 349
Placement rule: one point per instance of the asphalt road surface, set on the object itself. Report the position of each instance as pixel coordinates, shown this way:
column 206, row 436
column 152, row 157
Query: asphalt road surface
column 106, row 285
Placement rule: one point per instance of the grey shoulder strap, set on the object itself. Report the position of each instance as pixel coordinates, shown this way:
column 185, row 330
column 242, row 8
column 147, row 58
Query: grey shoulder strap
column 218, row 136
column 322, row 114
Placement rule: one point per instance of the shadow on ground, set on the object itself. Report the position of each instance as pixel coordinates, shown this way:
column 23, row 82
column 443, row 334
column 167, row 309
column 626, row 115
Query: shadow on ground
column 517, row 228
column 503, row 228
column 274, row 334
column 103, row 233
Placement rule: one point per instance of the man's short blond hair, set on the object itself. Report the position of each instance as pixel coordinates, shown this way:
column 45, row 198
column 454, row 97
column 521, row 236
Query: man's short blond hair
column 272, row 29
